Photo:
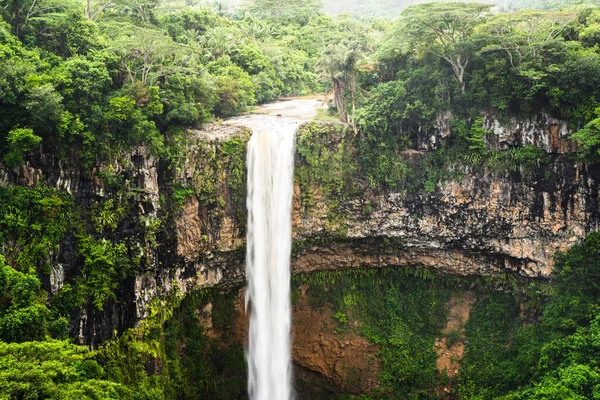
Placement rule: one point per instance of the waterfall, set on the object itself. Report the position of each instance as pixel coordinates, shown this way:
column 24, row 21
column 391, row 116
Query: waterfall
column 270, row 189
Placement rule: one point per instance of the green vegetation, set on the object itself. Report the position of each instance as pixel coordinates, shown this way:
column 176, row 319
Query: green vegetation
column 430, row 79
column 122, row 73
column 460, row 62
column 23, row 314
column 401, row 310
column 554, row 357
column 20, row 141
column 54, row 370
column 203, row 366
column 529, row 340
column 172, row 356
column 84, row 84
column 33, row 222
column 327, row 163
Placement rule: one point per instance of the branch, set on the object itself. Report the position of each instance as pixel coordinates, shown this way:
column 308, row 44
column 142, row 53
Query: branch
column 96, row 14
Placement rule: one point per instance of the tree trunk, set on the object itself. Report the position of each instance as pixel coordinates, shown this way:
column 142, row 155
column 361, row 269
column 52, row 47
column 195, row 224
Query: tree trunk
column 338, row 99
column 459, row 68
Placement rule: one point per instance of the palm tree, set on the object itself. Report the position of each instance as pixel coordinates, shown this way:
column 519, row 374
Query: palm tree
column 337, row 66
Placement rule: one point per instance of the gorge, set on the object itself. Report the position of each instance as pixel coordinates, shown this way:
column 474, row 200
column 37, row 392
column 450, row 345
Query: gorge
column 438, row 172
column 473, row 225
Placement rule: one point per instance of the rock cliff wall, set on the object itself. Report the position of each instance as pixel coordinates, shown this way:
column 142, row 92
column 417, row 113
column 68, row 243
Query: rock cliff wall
column 477, row 223
column 480, row 223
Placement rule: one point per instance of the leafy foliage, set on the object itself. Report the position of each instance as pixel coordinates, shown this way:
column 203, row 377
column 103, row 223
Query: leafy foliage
column 554, row 358
column 400, row 310
column 23, row 313
column 20, row 142
column 104, row 265
column 122, row 73
column 54, row 370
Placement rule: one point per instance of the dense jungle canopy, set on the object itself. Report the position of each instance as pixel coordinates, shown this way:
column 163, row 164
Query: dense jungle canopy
column 89, row 80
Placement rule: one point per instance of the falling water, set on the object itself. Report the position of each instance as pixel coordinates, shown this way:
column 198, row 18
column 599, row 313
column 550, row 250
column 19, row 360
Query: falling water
column 270, row 188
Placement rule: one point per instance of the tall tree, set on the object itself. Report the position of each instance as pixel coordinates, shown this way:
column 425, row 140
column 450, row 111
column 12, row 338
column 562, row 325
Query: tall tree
column 444, row 29
column 219, row 41
column 338, row 65
column 526, row 37
column 285, row 10
column 142, row 8
column 148, row 54
column 20, row 14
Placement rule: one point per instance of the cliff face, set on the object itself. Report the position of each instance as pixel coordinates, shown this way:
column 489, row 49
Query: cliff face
column 476, row 223
column 480, row 223
column 138, row 173
column 326, row 354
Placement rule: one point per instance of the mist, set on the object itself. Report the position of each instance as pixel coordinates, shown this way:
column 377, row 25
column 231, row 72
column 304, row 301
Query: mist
column 390, row 9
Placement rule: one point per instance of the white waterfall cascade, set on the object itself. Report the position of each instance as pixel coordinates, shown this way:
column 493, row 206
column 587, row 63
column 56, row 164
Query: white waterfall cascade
column 270, row 190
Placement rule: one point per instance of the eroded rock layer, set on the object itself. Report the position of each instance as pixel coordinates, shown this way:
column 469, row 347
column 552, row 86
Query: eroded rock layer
column 474, row 222
column 476, row 225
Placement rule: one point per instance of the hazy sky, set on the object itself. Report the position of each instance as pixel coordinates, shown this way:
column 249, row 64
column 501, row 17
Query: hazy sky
column 391, row 8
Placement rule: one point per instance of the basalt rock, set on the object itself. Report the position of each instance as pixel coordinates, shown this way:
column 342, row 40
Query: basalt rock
column 540, row 130
column 482, row 223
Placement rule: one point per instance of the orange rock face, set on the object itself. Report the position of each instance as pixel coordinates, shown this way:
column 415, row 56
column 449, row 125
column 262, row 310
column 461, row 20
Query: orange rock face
column 346, row 360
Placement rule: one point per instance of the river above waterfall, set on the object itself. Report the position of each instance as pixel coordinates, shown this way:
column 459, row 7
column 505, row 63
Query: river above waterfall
column 287, row 111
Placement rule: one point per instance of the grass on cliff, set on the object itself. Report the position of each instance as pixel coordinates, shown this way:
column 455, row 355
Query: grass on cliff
column 326, row 115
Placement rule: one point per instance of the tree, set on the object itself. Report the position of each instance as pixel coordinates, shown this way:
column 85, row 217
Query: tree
column 189, row 98
column 44, row 105
column 82, row 80
column 234, row 87
column 104, row 264
column 589, row 137
column 280, row 11
column 142, row 8
column 23, row 313
column 219, row 41
column 18, row 13
column 148, row 54
column 338, row 66
column 32, row 17
column 444, row 29
column 525, row 37
column 20, row 142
